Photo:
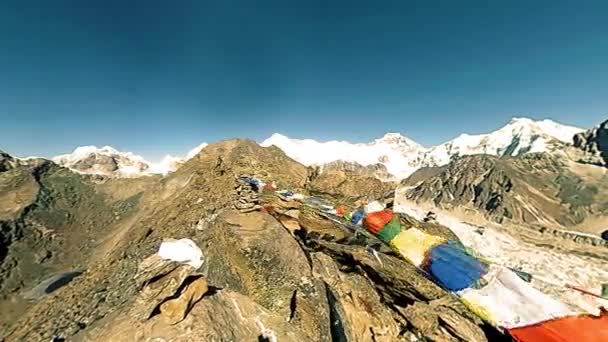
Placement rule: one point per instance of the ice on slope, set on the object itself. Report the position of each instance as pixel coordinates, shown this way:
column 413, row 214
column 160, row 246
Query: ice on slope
column 399, row 154
column 551, row 269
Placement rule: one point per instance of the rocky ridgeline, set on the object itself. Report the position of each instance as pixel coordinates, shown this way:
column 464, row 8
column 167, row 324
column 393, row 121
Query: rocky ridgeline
column 246, row 197
column 595, row 143
column 579, row 238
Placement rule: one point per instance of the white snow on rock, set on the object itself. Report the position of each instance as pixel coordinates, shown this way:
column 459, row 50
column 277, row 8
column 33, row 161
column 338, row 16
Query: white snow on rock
column 551, row 269
column 184, row 251
column 403, row 156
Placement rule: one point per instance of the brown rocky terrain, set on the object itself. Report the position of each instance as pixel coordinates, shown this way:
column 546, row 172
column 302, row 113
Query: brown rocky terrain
column 349, row 187
column 375, row 170
column 51, row 220
column 282, row 272
column 536, row 189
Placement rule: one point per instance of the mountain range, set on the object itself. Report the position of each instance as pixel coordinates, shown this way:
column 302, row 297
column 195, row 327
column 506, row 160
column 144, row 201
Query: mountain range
column 394, row 156
column 78, row 256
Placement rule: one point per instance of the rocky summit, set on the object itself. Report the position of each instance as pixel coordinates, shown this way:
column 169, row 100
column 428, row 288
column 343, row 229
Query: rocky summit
column 595, row 143
column 243, row 243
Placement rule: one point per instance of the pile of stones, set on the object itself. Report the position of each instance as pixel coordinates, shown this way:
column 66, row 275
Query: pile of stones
column 245, row 196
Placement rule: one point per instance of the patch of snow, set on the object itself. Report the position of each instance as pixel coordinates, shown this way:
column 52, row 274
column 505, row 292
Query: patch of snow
column 184, row 251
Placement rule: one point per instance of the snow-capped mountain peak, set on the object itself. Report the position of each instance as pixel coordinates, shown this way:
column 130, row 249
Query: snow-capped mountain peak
column 397, row 139
column 398, row 153
column 521, row 135
column 402, row 156
column 109, row 161
column 105, row 160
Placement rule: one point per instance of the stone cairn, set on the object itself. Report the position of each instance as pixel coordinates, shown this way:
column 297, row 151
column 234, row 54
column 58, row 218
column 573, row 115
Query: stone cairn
column 246, row 197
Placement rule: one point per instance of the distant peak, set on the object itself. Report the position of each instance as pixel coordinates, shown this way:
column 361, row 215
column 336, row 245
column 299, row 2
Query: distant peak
column 393, row 136
column 278, row 136
column 528, row 122
column 94, row 149
column 396, row 138
column 521, row 120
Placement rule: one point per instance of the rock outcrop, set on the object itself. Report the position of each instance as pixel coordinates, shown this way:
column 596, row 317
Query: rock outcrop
column 377, row 170
column 595, row 143
column 349, row 188
column 7, row 162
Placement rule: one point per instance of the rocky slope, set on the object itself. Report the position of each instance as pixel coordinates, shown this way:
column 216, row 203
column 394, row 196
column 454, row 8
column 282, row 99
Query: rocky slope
column 594, row 142
column 533, row 189
column 273, row 269
column 401, row 156
column 374, row 170
column 50, row 220
column 280, row 274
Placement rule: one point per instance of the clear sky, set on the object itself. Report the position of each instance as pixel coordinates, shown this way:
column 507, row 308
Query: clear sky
column 157, row 77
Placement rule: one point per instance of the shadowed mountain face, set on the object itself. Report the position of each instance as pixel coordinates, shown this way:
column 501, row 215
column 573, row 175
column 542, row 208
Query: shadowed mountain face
column 533, row 189
column 595, row 143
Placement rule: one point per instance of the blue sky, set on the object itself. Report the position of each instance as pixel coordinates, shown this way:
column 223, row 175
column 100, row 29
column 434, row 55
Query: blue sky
column 158, row 77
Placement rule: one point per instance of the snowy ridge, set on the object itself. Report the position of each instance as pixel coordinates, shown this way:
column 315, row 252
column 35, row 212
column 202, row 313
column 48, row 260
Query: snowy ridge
column 519, row 136
column 111, row 162
column 402, row 156
column 399, row 154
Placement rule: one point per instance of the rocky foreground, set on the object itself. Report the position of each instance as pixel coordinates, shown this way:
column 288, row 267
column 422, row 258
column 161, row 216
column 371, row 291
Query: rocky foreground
column 273, row 270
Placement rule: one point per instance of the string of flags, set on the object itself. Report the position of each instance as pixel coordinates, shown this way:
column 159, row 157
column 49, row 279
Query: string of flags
column 500, row 295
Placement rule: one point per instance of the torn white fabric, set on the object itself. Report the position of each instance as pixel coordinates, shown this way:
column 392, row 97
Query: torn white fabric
column 184, row 251
column 510, row 302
